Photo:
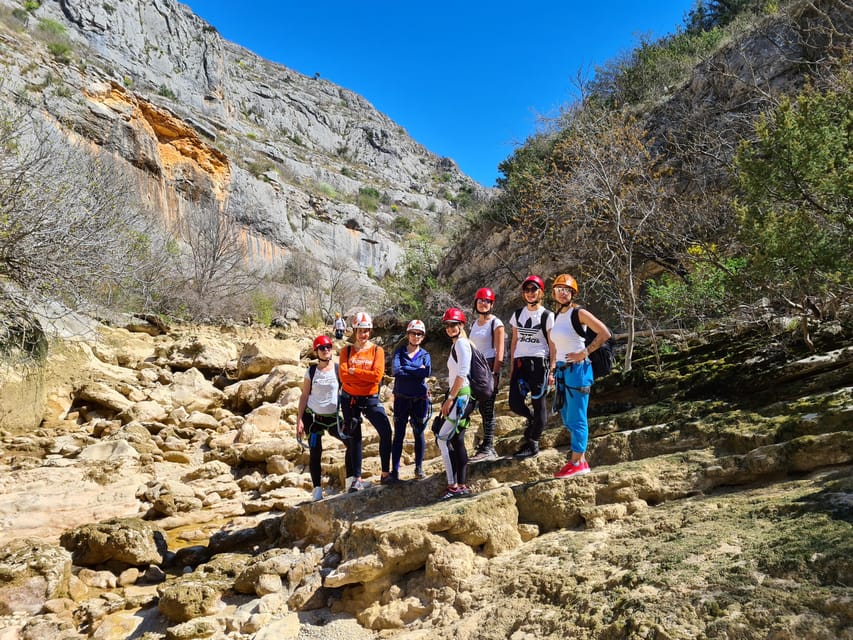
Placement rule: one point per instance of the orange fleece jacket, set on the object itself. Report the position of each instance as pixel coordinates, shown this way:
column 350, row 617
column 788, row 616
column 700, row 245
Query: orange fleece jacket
column 369, row 365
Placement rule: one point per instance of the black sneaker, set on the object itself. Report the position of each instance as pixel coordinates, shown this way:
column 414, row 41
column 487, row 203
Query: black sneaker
column 390, row 479
column 529, row 450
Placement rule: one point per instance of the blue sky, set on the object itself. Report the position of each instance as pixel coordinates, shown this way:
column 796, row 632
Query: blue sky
column 468, row 80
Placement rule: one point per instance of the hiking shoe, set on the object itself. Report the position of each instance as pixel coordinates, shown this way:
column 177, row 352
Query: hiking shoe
column 317, row 494
column 419, row 473
column 391, row 478
column 488, row 454
column 358, row 485
column 455, row 492
column 529, row 450
column 571, row 469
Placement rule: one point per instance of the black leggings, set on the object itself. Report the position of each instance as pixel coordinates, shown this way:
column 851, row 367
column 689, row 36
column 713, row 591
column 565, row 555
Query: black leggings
column 530, row 376
column 353, row 408
column 315, row 425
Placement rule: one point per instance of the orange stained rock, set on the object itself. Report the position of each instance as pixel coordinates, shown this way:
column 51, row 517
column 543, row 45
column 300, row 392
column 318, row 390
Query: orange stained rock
column 177, row 142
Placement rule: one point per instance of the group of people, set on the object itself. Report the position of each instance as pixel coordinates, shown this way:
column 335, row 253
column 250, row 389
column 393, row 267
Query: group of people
column 546, row 352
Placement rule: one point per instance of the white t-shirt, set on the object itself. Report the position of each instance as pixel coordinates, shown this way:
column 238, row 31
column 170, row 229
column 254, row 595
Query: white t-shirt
column 482, row 336
column 323, row 399
column 531, row 339
column 462, row 366
column 565, row 338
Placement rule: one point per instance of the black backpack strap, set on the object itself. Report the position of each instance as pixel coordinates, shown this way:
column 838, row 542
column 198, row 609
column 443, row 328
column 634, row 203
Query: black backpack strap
column 311, row 371
column 576, row 323
column 543, row 324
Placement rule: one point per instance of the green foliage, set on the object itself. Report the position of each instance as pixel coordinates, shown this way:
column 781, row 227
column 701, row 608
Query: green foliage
column 166, row 92
column 261, row 166
column 402, row 224
column 654, row 68
column 31, row 5
column 263, row 308
column 796, row 205
column 416, row 279
column 705, row 292
column 51, row 27
column 711, row 14
column 368, row 199
column 327, row 190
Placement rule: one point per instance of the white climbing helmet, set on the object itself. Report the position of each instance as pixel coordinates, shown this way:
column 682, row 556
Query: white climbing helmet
column 416, row 325
column 362, row 320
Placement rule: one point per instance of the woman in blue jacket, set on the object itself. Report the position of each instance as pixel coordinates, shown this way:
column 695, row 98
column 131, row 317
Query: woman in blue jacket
column 411, row 368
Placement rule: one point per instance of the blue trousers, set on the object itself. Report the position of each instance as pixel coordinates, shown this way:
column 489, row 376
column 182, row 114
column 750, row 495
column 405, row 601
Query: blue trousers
column 574, row 381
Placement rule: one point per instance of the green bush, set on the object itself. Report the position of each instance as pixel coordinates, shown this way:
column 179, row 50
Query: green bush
column 327, row 190
column 705, row 292
column 402, row 224
column 166, row 92
column 51, row 27
column 368, row 199
column 263, row 308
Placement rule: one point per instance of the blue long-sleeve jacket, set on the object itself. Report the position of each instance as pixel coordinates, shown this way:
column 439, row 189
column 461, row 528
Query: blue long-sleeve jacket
column 410, row 374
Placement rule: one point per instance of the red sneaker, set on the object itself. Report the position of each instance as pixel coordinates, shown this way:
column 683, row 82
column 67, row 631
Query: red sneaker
column 570, row 470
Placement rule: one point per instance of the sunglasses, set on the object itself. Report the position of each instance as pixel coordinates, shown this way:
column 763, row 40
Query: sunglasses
column 530, row 289
column 484, row 301
column 417, row 334
column 562, row 289
column 325, row 347
column 447, row 325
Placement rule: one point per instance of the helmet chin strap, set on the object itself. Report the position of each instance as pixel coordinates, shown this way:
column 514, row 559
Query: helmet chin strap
column 326, row 360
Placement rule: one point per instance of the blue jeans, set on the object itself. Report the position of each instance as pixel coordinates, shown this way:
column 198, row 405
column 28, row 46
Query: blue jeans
column 574, row 382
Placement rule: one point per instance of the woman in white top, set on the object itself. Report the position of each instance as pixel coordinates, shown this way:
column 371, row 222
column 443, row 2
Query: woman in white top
column 318, row 407
column 571, row 370
column 530, row 357
column 454, row 410
column 487, row 334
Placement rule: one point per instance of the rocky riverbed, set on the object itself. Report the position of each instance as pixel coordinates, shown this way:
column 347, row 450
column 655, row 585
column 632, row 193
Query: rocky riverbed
column 164, row 495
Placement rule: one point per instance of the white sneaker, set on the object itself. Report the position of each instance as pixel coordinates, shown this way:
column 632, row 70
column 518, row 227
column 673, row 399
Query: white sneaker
column 317, row 494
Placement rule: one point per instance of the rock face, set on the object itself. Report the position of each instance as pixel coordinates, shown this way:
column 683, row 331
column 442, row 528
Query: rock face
column 718, row 504
column 198, row 118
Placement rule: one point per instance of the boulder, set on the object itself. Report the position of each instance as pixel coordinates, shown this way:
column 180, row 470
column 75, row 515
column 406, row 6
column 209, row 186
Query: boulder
column 125, row 540
column 190, row 390
column 394, row 544
column 261, row 356
column 31, row 573
column 203, row 352
column 189, row 598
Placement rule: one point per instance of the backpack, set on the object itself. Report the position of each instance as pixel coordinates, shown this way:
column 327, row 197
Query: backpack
column 481, row 377
column 543, row 321
column 602, row 358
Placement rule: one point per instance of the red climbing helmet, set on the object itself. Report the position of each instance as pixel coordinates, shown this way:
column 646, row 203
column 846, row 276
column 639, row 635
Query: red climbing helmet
column 484, row 294
column 533, row 280
column 453, row 315
column 322, row 341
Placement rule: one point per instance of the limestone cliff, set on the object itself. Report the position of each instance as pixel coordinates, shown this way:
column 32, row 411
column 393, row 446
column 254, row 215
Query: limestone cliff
column 199, row 117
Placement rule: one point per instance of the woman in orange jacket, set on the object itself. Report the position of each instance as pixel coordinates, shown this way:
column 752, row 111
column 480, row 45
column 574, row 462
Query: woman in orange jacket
column 362, row 366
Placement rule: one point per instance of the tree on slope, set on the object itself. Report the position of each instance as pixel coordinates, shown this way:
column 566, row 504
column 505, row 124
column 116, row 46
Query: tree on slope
column 602, row 207
column 796, row 204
